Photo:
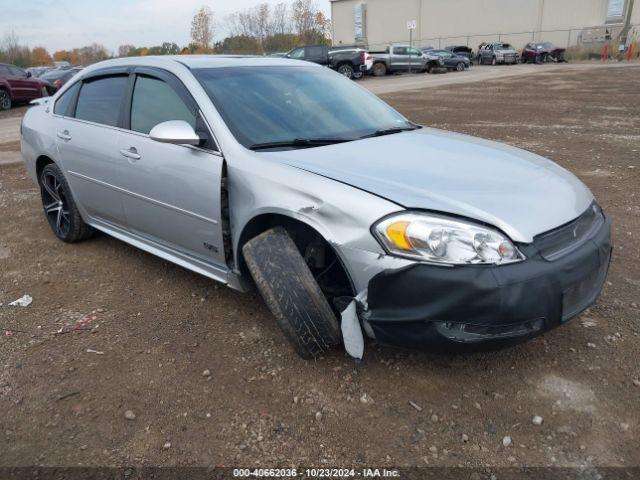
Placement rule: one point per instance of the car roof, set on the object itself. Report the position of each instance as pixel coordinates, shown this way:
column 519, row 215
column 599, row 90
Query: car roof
column 203, row 61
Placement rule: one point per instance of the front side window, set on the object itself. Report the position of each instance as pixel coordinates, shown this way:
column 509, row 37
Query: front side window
column 415, row 51
column 297, row 53
column 265, row 104
column 64, row 102
column 154, row 102
column 400, row 51
column 100, row 99
column 16, row 72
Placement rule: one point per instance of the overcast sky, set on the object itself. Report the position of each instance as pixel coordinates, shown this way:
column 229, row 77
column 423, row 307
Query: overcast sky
column 65, row 24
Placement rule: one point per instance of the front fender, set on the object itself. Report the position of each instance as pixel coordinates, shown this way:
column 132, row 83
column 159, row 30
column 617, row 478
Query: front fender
column 342, row 214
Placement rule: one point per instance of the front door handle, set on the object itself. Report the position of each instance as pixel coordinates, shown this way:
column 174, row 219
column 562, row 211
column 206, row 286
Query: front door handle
column 64, row 135
column 131, row 153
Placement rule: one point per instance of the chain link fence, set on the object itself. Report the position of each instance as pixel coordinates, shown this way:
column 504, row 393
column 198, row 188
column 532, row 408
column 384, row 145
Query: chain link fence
column 573, row 37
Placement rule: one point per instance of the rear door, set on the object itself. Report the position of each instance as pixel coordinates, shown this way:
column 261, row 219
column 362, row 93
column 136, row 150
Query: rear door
column 316, row 54
column 87, row 119
column 172, row 193
column 399, row 58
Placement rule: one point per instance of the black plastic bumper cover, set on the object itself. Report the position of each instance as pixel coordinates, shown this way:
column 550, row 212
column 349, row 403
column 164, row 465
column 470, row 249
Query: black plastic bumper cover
column 431, row 306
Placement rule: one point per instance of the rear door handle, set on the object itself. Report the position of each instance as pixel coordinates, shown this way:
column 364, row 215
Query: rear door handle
column 131, row 153
column 64, row 135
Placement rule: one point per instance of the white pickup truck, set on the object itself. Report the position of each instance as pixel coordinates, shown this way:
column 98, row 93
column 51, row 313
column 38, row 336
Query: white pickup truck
column 399, row 58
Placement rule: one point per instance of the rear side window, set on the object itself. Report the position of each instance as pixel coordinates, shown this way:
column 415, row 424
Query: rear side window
column 314, row 52
column 63, row 104
column 154, row 102
column 99, row 100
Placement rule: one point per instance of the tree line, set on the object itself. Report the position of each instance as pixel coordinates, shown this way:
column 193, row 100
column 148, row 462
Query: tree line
column 262, row 29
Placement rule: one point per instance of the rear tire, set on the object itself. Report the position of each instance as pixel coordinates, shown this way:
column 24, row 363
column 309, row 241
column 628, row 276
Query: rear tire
column 5, row 100
column 291, row 293
column 358, row 75
column 460, row 67
column 60, row 208
column 379, row 70
column 346, row 70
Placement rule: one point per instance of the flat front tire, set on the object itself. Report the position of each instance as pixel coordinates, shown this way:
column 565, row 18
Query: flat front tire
column 60, row 208
column 291, row 293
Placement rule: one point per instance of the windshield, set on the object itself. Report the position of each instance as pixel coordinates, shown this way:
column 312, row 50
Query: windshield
column 503, row 46
column 264, row 105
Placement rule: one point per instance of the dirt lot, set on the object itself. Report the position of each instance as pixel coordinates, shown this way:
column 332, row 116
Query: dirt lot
column 158, row 327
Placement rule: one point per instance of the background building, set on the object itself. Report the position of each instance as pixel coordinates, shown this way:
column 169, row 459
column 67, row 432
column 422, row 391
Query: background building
column 376, row 23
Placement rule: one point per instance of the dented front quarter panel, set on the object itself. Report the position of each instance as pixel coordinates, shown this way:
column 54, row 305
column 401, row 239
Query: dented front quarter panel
column 342, row 214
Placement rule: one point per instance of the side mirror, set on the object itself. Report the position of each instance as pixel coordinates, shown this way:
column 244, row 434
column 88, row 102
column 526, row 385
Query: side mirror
column 177, row 132
column 28, row 74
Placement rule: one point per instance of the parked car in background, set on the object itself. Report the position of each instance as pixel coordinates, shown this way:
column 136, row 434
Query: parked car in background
column 542, row 52
column 17, row 85
column 462, row 51
column 57, row 78
column 451, row 60
column 352, row 62
column 38, row 71
column 402, row 58
column 497, row 52
column 280, row 174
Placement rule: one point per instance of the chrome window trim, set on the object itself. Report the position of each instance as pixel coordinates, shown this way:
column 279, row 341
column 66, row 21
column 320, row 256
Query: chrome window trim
column 144, row 135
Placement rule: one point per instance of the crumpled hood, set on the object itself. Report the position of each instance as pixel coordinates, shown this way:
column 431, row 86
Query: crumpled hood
column 519, row 192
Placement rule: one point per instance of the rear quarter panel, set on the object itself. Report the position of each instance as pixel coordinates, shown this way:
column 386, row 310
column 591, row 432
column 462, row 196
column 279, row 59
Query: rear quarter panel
column 38, row 137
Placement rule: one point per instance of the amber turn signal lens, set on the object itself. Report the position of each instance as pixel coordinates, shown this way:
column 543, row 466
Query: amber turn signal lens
column 397, row 234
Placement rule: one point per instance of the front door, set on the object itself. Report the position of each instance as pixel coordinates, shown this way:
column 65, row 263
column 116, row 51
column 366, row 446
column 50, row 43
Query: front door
column 23, row 88
column 171, row 193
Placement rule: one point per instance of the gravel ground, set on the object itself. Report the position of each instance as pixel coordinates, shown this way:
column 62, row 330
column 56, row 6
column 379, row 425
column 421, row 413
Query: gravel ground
column 124, row 359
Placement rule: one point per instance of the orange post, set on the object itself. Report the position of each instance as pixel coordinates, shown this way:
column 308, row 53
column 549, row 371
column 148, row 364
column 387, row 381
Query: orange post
column 629, row 52
column 604, row 53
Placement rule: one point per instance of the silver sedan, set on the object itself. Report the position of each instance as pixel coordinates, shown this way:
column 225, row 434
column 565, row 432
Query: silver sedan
column 351, row 220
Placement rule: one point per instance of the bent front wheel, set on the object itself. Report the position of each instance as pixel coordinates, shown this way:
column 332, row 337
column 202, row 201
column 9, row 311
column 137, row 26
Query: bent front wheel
column 291, row 293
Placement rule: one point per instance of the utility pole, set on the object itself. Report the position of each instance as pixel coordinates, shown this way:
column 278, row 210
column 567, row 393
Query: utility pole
column 627, row 22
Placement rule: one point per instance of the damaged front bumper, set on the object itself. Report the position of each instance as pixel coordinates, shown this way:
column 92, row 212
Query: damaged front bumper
column 455, row 308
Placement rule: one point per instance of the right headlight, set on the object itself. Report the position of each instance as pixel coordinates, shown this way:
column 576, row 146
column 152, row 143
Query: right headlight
column 438, row 239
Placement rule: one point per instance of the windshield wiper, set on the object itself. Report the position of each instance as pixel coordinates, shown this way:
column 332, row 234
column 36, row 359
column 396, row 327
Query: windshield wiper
column 390, row 131
column 299, row 143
